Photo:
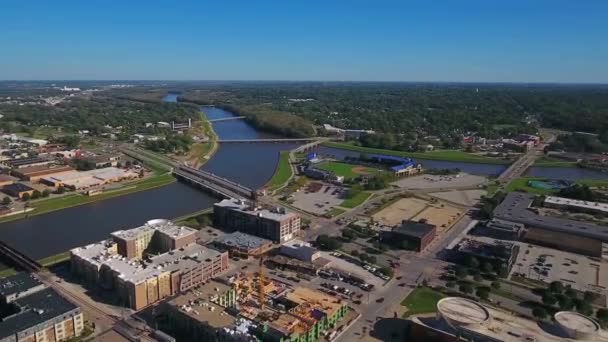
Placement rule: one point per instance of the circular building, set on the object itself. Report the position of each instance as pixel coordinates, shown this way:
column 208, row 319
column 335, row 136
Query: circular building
column 457, row 312
column 577, row 326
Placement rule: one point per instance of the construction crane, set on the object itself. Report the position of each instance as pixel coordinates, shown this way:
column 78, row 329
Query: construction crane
column 261, row 293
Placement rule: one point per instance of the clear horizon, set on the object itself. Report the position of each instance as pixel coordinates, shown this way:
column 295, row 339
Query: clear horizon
column 521, row 42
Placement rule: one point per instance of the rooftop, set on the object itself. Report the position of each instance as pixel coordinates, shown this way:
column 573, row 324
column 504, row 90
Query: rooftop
column 462, row 311
column 276, row 214
column 242, row 240
column 577, row 322
column 35, row 309
column 137, row 271
column 200, row 304
column 516, row 208
column 16, row 283
column 597, row 206
column 17, row 187
column 44, row 168
column 160, row 225
column 414, row 228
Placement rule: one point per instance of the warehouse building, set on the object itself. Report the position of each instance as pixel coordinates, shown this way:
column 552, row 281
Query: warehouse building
column 276, row 224
column 410, row 234
column 148, row 263
column 569, row 204
column 18, row 190
column 34, row 173
column 78, row 180
column 563, row 234
column 25, row 162
column 32, row 312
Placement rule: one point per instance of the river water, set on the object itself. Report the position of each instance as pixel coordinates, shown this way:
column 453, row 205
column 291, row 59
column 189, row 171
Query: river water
column 251, row 164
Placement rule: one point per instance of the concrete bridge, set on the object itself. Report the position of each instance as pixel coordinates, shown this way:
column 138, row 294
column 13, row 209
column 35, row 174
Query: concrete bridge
column 214, row 184
column 227, row 119
column 278, row 140
column 19, row 258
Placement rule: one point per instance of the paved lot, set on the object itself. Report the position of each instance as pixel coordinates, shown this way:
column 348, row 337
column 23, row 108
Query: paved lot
column 436, row 182
column 464, row 197
column 318, row 202
column 577, row 270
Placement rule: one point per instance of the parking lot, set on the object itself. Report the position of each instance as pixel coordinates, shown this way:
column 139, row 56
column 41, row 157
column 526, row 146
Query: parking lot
column 438, row 182
column 581, row 272
column 318, row 202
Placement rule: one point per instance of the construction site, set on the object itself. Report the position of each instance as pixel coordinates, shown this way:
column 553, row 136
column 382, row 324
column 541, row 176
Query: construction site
column 439, row 214
column 250, row 307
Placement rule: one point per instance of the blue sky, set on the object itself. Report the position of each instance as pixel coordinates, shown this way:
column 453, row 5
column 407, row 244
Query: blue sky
column 374, row 40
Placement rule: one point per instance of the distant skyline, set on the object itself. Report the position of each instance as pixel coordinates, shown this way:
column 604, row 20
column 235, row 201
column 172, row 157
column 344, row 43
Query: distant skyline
column 519, row 41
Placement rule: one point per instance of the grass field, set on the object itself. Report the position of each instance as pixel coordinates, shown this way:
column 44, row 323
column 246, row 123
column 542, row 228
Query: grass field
column 356, row 200
column 71, row 200
column 447, row 155
column 345, row 170
column 54, row 259
column 521, row 184
column 282, row 172
column 422, row 300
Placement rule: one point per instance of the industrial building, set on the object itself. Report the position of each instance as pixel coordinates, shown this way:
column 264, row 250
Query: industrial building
column 505, row 230
column 148, row 263
column 276, row 224
column 560, row 233
column 460, row 319
column 18, row 163
column 32, row 312
column 78, row 180
column 34, row 173
column 243, row 245
column 411, row 234
column 300, row 250
column 232, row 312
column 18, row 190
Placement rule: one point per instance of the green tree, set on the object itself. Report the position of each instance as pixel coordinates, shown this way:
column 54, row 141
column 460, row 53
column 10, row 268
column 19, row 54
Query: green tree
column 602, row 315
column 564, row 302
column 6, row 200
column 465, row 288
column 36, row 194
column 450, row 284
column 354, row 253
column 486, row 267
column 328, row 243
column 46, row 193
column 26, row 197
column 540, row 313
column 471, row 261
column 460, row 272
column 590, row 296
column 60, row 189
column 583, row 307
column 386, row 271
column 495, row 285
column 549, row 298
column 483, row 292
column 556, row 286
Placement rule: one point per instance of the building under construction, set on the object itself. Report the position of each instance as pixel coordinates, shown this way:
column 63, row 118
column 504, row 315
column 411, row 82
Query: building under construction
column 247, row 307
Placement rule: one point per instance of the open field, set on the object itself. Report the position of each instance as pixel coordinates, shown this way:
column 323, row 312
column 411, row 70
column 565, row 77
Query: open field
column 55, row 259
column 437, row 182
column 442, row 216
column 356, row 200
column 521, row 184
column 422, row 300
column 448, row 155
column 402, row 209
column 348, row 171
column 282, row 172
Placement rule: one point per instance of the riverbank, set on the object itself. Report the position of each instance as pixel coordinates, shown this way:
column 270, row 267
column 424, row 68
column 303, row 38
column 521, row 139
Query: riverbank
column 451, row 155
column 45, row 206
column 200, row 153
column 282, row 173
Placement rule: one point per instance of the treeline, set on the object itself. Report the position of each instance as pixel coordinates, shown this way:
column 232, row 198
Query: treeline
column 173, row 143
column 94, row 114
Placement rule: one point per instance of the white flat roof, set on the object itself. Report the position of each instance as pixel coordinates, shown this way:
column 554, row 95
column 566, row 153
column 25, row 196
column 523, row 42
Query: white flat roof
column 597, row 206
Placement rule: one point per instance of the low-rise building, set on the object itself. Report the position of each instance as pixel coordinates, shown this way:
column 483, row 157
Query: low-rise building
column 498, row 254
column 243, row 245
column 148, row 263
column 569, row 204
column 78, row 180
column 17, row 163
column 300, row 250
column 33, row 312
column 505, row 230
column 34, row 173
column 18, row 190
column 275, row 224
column 6, row 180
column 411, row 235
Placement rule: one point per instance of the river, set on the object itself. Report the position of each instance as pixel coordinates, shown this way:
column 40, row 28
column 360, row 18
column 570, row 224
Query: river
column 251, row 164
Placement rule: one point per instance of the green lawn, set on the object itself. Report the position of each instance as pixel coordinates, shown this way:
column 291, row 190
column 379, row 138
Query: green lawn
column 356, row 200
column 7, row 272
column 343, row 169
column 521, row 184
column 422, row 300
column 448, row 155
column 282, row 172
column 54, row 259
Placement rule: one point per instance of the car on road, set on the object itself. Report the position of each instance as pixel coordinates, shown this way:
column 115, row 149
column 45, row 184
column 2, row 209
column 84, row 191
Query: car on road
column 380, row 300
